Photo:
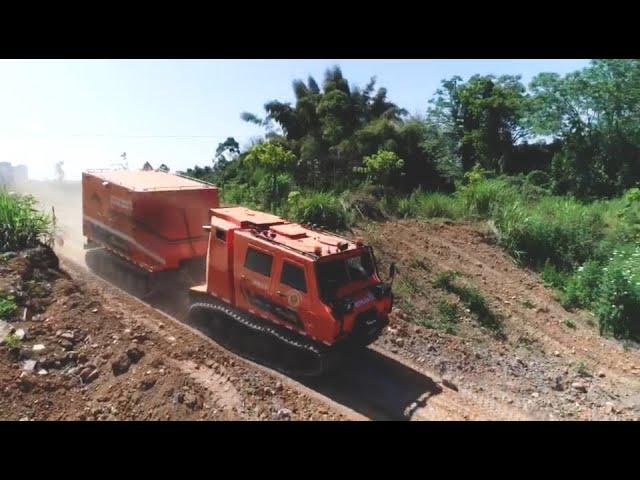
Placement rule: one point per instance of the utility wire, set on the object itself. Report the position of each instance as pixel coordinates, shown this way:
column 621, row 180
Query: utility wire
column 146, row 136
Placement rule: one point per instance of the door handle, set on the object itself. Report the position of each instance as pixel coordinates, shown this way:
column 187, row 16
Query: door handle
column 279, row 292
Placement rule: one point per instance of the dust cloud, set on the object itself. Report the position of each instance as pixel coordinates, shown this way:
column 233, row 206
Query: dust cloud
column 65, row 199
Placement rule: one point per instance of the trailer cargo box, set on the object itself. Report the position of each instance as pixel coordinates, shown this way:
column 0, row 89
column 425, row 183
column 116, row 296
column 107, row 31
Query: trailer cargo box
column 152, row 219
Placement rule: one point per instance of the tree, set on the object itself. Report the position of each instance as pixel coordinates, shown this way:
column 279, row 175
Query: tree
column 229, row 148
column 271, row 158
column 331, row 129
column 595, row 113
column 481, row 119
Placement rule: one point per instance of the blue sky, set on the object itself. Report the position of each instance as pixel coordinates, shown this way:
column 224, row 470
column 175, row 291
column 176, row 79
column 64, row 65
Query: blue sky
column 87, row 112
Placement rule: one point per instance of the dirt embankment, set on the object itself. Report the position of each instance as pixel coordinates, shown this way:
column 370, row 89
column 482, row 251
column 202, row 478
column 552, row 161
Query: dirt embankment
column 81, row 358
column 546, row 362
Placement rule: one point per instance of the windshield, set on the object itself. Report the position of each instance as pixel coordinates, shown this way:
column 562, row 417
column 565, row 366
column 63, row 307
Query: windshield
column 337, row 273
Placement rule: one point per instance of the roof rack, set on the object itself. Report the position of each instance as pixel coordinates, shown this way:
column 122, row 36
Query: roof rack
column 256, row 233
column 325, row 232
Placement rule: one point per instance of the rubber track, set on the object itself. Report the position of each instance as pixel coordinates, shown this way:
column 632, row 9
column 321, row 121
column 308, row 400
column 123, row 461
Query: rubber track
column 323, row 358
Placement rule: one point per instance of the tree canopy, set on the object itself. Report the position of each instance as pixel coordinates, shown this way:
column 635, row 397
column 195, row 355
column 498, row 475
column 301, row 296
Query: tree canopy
column 582, row 128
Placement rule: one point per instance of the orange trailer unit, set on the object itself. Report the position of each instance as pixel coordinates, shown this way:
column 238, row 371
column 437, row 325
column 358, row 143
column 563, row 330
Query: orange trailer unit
column 152, row 219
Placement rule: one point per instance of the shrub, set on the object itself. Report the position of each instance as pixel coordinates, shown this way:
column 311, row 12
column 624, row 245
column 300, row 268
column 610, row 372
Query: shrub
column 271, row 192
column 618, row 305
column 237, row 194
column 582, row 288
column 21, row 224
column 318, row 208
column 553, row 277
column 364, row 203
column 539, row 179
column 8, row 306
column 382, row 167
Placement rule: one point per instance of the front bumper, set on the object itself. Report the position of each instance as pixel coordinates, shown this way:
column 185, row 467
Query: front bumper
column 367, row 328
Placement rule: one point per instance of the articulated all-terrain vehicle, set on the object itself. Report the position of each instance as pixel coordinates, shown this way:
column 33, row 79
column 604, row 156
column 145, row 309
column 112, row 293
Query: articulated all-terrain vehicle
column 279, row 292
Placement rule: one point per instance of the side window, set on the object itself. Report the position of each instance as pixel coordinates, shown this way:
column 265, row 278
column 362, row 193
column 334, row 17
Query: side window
column 258, row 262
column 293, row 276
column 221, row 235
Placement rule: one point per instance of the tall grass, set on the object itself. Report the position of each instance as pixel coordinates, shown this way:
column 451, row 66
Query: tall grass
column 21, row 224
column 318, row 208
column 430, row 205
column 483, row 198
column 555, row 229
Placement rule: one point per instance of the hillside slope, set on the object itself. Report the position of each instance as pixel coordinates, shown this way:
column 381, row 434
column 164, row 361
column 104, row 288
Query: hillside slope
column 542, row 360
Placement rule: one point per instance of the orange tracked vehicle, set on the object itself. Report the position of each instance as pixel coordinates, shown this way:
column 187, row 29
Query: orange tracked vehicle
column 319, row 294
column 283, row 294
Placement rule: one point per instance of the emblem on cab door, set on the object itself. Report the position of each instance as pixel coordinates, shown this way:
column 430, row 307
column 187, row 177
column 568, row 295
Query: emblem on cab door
column 294, row 300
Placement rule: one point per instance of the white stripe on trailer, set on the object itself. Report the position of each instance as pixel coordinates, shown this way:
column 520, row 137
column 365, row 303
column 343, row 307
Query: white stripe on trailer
column 129, row 239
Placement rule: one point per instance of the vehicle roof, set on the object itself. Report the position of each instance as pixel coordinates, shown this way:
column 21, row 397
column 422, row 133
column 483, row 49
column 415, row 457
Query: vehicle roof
column 278, row 231
column 245, row 217
column 148, row 180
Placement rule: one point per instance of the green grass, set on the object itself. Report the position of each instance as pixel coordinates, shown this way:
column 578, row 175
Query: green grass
column 555, row 229
column 484, row 197
column 472, row 298
column 443, row 280
column 570, row 323
column 582, row 369
column 21, row 224
column 430, row 205
column 12, row 341
column 527, row 303
column 448, row 311
column 8, row 306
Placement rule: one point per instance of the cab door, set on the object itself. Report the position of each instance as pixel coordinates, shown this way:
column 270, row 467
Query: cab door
column 253, row 288
column 290, row 293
